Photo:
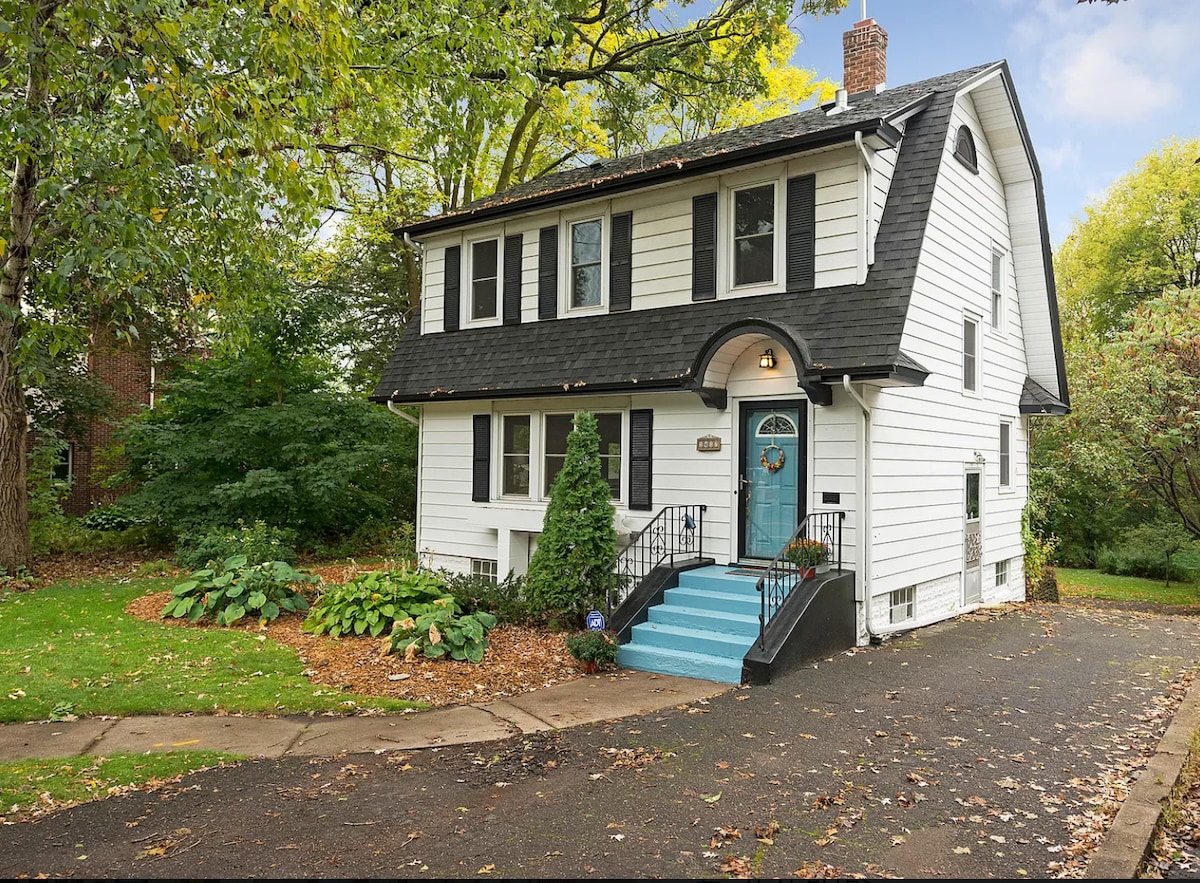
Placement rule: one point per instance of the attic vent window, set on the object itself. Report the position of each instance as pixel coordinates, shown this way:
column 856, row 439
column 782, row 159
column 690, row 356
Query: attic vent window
column 964, row 149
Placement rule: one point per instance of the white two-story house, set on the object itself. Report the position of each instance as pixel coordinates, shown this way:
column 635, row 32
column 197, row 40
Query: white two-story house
column 846, row 314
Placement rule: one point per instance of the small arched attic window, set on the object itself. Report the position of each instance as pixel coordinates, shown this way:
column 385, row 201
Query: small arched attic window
column 964, row 149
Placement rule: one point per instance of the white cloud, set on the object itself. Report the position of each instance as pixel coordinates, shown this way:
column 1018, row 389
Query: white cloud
column 1065, row 158
column 1112, row 65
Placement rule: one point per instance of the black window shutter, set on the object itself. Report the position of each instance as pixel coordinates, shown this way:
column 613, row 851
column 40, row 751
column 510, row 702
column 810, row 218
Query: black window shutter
column 548, row 272
column 704, row 247
column 452, row 290
column 481, row 457
column 512, row 279
column 620, row 263
column 641, row 459
column 801, row 233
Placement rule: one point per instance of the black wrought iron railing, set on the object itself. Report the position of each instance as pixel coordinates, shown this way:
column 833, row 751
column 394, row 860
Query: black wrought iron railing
column 817, row 543
column 675, row 533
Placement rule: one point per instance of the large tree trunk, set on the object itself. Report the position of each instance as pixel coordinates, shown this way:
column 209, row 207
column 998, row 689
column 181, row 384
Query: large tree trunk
column 14, row 494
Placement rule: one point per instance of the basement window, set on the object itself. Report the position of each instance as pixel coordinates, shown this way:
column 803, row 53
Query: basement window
column 902, row 604
column 1002, row 572
column 484, row 567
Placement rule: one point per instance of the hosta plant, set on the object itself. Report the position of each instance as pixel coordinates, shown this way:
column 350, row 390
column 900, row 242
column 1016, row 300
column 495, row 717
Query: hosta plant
column 439, row 629
column 235, row 590
column 372, row 602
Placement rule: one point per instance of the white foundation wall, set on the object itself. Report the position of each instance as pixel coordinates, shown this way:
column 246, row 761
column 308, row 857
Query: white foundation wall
column 924, row 439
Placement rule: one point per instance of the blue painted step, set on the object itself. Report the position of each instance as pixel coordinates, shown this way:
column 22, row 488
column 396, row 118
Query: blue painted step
column 702, row 629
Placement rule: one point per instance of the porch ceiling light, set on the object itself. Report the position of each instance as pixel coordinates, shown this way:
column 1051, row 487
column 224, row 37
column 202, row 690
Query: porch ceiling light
column 767, row 359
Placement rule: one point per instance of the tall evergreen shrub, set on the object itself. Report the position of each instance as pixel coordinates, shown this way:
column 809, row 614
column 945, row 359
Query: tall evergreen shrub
column 569, row 572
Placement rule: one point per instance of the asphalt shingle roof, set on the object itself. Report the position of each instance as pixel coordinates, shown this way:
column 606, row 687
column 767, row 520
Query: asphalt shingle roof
column 852, row 329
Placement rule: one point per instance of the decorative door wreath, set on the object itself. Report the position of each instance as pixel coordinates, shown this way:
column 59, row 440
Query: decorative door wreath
column 766, row 461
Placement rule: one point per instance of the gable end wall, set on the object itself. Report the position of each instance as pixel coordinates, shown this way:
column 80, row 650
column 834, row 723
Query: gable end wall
column 923, row 438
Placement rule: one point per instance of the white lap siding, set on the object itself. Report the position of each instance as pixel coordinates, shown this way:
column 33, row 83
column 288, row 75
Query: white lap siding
column 925, row 438
column 453, row 529
column 661, row 260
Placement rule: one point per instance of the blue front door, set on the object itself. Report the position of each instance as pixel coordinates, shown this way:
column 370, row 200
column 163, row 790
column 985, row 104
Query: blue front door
column 772, row 479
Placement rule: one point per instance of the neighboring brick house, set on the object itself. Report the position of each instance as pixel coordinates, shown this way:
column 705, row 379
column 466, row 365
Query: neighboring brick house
column 129, row 376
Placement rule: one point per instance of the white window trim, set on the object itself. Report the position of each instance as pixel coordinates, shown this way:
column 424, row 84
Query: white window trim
column 998, row 309
column 604, row 216
column 1011, row 486
column 537, row 449
column 486, row 567
column 543, row 493
column 467, row 285
column 725, row 234
column 534, row 445
column 968, row 316
column 1005, row 563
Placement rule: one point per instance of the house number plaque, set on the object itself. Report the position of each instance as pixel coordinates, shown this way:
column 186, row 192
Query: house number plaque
column 708, row 443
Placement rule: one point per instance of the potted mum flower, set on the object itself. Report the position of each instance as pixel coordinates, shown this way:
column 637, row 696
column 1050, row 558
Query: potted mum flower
column 807, row 555
column 593, row 648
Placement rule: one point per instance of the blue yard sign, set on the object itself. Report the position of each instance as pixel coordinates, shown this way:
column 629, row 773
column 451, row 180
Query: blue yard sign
column 595, row 621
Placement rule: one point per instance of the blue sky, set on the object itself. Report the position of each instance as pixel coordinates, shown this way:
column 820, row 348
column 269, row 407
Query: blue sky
column 1101, row 86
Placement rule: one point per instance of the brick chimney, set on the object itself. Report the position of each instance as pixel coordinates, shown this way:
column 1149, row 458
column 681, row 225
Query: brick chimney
column 864, row 53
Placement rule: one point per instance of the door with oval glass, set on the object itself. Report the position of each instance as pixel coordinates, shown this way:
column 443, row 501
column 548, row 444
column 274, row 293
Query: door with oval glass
column 772, row 478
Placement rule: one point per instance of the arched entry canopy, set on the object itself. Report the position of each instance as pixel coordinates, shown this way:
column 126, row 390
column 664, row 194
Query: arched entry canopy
column 710, row 370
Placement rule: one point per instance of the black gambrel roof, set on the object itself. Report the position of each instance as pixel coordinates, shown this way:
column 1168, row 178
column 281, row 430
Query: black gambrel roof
column 850, row 329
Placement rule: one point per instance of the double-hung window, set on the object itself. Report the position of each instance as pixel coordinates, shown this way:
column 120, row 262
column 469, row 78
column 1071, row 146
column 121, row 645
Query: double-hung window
column 587, row 253
column 515, row 456
column 485, row 262
column 970, row 352
column 754, row 235
column 997, row 288
column 1005, row 456
column 554, row 449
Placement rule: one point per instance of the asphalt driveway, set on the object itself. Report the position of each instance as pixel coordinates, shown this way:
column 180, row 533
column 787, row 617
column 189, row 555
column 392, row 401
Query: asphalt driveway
column 988, row 746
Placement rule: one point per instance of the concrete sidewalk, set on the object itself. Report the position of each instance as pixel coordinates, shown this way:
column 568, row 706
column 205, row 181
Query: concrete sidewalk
column 589, row 700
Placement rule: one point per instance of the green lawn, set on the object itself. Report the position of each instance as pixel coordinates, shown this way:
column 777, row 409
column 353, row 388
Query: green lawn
column 70, row 648
column 1094, row 584
column 51, row 784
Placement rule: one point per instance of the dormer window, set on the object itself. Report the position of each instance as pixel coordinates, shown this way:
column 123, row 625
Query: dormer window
column 586, row 255
column 964, row 149
column 485, row 257
column 754, row 235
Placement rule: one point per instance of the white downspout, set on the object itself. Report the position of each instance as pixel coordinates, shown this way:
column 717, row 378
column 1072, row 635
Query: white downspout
column 866, row 250
column 415, row 421
column 403, row 414
column 864, row 527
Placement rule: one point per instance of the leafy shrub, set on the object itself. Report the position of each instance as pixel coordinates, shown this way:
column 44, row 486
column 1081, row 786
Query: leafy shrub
column 593, row 645
column 265, row 437
column 505, row 600
column 1150, row 550
column 114, row 516
column 1148, row 563
column 60, row 533
column 372, row 602
column 439, row 629
column 236, row 589
column 258, row 542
